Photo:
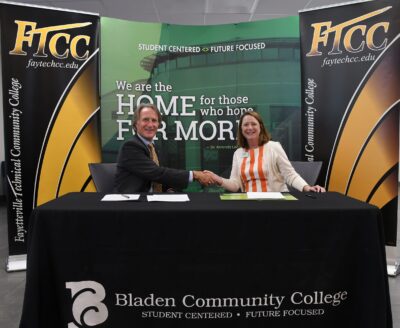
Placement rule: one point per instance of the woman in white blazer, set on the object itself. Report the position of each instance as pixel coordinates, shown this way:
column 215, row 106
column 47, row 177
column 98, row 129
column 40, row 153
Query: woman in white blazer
column 260, row 164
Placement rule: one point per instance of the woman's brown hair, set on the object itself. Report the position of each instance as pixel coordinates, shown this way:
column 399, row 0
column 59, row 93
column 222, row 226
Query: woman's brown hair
column 264, row 134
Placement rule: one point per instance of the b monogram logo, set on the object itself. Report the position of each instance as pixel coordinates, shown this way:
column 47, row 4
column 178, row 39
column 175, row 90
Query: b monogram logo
column 87, row 307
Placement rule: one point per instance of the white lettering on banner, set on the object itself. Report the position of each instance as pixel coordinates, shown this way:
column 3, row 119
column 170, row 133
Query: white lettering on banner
column 129, row 300
column 262, row 314
column 87, row 308
column 166, row 109
column 91, row 307
column 50, row 64
column 206, row 130
column 14, row 174
column 162, row 314
column 246, row 46
column 181, row 106
column 152, row 47
column 329, row 62
column 266, row 300
column 303, row 312
column 184, row 49
column 318, row 298
column 310, row 113
column 208, row 315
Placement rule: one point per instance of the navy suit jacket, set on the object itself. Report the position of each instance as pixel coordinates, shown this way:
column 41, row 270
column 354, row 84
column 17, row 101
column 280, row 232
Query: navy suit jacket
column 136, row 170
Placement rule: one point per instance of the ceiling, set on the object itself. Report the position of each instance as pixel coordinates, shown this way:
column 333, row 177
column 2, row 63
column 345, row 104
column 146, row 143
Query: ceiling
column 189, row 12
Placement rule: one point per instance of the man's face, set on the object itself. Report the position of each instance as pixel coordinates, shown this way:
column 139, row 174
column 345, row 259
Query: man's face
column 147, row 124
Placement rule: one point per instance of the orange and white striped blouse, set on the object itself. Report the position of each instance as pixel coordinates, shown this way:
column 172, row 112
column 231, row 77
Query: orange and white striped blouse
column 265, row 168
column 252, row 170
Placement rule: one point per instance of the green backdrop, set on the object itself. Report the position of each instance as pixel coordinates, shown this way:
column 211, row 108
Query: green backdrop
column 202, row 78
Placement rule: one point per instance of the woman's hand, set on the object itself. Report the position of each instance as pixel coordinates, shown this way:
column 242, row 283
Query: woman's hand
column 216, row 178
column 316, row 188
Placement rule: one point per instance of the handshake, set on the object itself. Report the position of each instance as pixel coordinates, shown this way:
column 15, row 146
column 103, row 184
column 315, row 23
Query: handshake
column 207, row 178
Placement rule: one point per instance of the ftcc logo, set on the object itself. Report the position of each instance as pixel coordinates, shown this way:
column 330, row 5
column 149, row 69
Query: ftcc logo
column 87, row 308
column 54, row 39
column 345, row 33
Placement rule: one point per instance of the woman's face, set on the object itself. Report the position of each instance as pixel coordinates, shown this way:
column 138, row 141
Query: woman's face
column 250, row 129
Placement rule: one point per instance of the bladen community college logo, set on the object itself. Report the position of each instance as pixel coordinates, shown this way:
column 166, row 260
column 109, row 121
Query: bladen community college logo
column 342, row 35
column 53, row 39
column 87, row 307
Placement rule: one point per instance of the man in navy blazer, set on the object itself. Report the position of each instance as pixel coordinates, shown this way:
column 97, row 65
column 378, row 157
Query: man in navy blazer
column 136, row 170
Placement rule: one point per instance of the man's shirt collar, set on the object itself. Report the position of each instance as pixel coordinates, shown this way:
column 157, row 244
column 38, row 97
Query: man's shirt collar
column 145, row 141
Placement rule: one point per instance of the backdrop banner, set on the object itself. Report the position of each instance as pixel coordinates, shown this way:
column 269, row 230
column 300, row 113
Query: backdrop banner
column 50, row 100
column 202, row 78
column 350, row 96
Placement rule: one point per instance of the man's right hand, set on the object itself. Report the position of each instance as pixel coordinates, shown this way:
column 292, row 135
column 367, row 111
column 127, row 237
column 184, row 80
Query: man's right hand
column 203, row 178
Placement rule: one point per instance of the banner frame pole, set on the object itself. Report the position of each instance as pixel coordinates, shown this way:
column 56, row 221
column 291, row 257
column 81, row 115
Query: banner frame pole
column 393, row 252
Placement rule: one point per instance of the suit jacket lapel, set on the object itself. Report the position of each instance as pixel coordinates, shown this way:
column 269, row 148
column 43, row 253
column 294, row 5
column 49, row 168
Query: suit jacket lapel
column 142, row 143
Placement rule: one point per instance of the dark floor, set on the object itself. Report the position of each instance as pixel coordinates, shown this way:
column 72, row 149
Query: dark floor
column 12, row 286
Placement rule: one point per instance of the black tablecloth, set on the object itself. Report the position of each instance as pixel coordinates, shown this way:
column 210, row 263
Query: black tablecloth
column 306, row 263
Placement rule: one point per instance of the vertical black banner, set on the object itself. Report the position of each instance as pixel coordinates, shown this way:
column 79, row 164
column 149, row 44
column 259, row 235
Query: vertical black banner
column 350, row 96
column 50, row 101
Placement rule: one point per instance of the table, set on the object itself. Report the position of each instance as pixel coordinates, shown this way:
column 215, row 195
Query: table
column 312, row 262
